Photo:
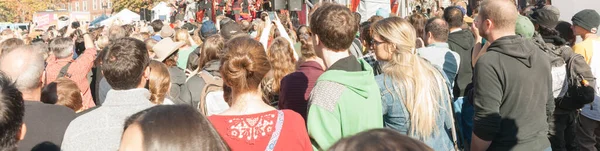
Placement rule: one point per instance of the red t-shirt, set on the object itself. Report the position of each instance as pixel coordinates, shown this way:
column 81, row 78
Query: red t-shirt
column 252, row 132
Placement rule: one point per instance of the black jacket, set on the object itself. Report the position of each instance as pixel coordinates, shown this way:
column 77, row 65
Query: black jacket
column 513, row 95
column 462, row 42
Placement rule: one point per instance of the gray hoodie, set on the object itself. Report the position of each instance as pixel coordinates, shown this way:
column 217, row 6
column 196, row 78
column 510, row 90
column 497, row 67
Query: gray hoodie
column 513, row 95
column 191, row 90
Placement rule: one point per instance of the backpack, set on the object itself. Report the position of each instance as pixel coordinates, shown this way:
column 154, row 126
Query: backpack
column 211, row 98
column 577, row 95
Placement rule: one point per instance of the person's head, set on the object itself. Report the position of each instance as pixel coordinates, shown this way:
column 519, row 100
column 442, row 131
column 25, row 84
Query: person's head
column 156, row 25
column 182, row 35
column 10, row 44
column 418, row 22
column 170, row 127
column 62, row 47
column 42, row 47
column 585, row 22
column 394, row 42
column 25, row 66
column 125, row 64
column 159, row 82
column 68, row 94
column 12, row 110
column 565, row 32
column 244, row 65
column 246, row 26
column 333, row 27
column 149, row 45
column 436, row 31
column 365, row 34
column 208, row 29
column 496, row 19
column 231, row 30
column 281, row 57
column 379, row 140
column 211, row 50
column 454, row 16
column 116, row 32
column 374, row 19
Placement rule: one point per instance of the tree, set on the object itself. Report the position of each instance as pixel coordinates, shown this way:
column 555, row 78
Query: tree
column 21, row 10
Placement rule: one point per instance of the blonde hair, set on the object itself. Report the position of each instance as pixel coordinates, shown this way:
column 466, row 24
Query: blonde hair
column 421, row 85
column 159, row 82
column 68, row 94
column 281, row 57
column 182, row 35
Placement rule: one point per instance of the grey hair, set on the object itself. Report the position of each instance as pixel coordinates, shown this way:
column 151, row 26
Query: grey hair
column 61, row 47
column 27, row 76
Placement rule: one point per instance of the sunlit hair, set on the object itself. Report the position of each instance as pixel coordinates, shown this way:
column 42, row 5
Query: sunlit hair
column 68, row 94
column 281, row 57
column 418, row 22
column 211, row 50
column 244, row 65
column 182, row 35
column 421, row 85
column 159, row 82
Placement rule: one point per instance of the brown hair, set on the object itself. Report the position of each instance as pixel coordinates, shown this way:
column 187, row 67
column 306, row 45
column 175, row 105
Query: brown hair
column 418, row 21
column 244, row 64
column 211, row 49
column 306, row 49
column 176, row 127
column 379, row 140
column 158, row 82
column 149, row 44
column 10, row 44
column 281, row 57
column 171, row 59
column 68, row 94
column 335, row 25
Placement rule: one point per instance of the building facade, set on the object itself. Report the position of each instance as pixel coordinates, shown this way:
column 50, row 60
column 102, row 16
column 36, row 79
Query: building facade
column 95, row 7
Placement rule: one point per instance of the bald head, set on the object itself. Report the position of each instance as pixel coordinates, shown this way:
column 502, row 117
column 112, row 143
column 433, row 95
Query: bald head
column 25, row 66
column 438, row 28
column 502, row 13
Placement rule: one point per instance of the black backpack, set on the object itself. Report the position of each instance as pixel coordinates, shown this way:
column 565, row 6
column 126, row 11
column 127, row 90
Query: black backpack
column 578, row 70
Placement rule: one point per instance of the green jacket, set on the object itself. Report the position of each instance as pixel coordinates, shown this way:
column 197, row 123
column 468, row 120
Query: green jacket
column 343, row 103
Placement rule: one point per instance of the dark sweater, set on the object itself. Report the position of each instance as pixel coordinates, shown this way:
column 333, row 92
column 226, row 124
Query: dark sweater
column 296, row 87
column 46, row 125
column 513, row 95
column 462, row 42
column 191, row 91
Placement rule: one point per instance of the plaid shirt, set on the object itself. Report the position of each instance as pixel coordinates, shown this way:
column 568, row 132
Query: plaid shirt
column 370, row 58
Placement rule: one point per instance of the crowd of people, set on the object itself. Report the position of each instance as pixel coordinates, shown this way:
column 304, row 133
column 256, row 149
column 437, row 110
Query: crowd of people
column 500, row 79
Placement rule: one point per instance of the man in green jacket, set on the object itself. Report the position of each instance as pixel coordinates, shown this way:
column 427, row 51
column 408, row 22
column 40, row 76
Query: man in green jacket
column 346, row 98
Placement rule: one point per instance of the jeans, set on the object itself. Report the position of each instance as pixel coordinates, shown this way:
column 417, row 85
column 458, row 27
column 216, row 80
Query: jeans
column 562, row 131
column 463, row 112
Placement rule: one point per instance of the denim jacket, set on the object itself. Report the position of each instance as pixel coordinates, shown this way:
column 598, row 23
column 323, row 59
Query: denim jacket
column 396, row 116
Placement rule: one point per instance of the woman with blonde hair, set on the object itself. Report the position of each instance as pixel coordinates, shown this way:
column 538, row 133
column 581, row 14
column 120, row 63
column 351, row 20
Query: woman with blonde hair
column 182, row 35
column 415, row 93
column 159, row 83
column 283, row 62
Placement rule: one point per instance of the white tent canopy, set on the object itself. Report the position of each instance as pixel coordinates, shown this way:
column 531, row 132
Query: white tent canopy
column 124, row 17
column 161, row 9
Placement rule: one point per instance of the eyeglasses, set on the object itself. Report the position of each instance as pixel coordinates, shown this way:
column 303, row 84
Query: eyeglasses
column 376, row 43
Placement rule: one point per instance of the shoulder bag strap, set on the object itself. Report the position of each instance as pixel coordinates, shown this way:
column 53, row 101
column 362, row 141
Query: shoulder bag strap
column 64, row 71
column 275, row 135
